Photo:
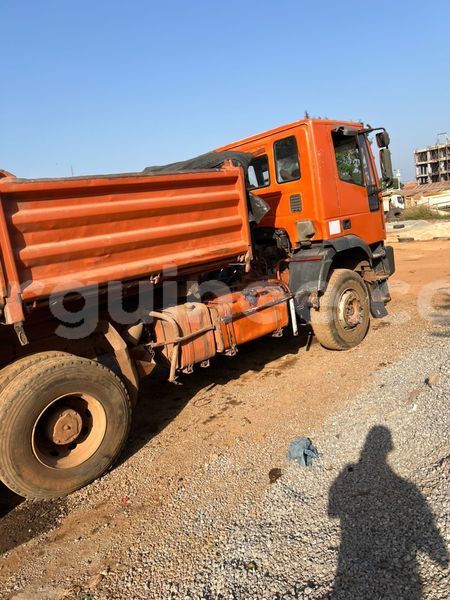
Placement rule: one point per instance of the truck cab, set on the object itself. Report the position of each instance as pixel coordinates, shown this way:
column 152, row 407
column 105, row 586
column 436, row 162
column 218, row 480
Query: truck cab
column 319, row 172
column 320, row 181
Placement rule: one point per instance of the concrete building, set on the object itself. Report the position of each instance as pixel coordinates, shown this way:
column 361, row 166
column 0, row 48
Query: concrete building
column 433, row 163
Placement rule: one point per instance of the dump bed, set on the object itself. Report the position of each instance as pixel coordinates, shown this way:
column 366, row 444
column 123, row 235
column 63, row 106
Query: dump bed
column 63, row 234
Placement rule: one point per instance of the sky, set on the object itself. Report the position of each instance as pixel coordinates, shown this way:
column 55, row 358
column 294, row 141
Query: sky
column 111, row 86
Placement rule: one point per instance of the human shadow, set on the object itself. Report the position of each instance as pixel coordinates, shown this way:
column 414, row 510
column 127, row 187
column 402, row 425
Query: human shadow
column 385, row 521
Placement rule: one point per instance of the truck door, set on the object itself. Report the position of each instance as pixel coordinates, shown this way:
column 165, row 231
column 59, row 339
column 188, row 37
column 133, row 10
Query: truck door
column 357, row 187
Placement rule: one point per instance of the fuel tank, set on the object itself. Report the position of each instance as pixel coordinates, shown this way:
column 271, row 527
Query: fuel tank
column 249, row 314
column 187, row 330
column 194, row 332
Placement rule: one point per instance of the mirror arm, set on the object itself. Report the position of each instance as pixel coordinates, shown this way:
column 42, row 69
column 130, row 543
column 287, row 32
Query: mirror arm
column 371, row 129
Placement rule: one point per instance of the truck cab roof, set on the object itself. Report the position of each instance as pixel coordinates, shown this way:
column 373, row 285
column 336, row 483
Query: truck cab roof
column 277, row 130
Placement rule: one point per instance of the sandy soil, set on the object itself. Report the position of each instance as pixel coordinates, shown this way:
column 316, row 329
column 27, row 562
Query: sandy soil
column 274, row 388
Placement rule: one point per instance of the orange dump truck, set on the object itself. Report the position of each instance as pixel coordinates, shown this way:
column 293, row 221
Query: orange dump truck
column 104, row 277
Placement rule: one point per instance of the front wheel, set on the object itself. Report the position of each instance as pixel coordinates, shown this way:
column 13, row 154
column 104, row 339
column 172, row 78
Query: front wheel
column 63, row 422
column 343, row 318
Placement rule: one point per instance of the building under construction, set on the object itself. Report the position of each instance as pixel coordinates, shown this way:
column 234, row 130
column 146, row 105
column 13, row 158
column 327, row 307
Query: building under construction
column 433, row 163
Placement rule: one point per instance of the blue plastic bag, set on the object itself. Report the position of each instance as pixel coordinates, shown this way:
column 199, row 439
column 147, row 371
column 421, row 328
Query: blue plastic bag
column 302, row 451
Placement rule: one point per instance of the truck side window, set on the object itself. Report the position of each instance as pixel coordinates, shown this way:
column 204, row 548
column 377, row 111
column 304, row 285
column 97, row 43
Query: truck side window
column 258, row 172
column 348, row 159
column 286, row 160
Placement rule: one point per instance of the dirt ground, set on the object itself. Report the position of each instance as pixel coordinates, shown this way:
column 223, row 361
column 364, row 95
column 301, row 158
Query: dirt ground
column 242, row 410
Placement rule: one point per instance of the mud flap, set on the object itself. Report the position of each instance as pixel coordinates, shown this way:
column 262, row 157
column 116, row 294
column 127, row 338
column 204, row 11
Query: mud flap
column 379, row 296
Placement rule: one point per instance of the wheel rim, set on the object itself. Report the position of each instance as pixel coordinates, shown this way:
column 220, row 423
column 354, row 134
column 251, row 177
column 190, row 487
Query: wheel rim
column 350, row 309
column 69, row 431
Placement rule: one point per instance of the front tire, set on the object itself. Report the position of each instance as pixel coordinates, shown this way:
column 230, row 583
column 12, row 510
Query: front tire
column 343, row 318
column 63, row 423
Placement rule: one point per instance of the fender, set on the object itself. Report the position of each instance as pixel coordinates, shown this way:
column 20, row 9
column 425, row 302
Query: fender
column 309, row 267
column 347, row 242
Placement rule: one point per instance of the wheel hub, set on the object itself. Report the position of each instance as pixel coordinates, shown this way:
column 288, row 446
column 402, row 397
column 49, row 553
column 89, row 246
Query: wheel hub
column 69, row 431
column 64, row 426
column 350, row 309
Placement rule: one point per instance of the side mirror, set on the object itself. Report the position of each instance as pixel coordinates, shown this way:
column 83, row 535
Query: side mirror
column 387, row 172
column 383, row 139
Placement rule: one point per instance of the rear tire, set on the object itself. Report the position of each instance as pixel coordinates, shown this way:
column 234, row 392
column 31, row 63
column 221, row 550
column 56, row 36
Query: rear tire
column 8, row 373
column 343, row 318
column 63, row 423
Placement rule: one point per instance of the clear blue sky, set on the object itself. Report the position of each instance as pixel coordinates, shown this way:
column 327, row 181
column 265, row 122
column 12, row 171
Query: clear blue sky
column 109, row 86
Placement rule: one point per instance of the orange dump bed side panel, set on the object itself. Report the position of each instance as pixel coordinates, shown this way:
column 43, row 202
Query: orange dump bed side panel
column 62, row 234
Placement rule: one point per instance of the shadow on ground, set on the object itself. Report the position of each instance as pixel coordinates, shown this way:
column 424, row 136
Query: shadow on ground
column 8, row 500
column 385, row 521
column 22, row 521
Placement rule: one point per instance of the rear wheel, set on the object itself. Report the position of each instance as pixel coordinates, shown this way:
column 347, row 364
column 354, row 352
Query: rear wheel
column 343, row 319
column 63, row 423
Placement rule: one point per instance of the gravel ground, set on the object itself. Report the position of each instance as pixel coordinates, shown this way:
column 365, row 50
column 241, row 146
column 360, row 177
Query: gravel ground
column 192, row 513
column 364, row 521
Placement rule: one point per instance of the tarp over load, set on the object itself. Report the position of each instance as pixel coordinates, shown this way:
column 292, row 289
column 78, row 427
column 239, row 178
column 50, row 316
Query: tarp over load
column 215, row 160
